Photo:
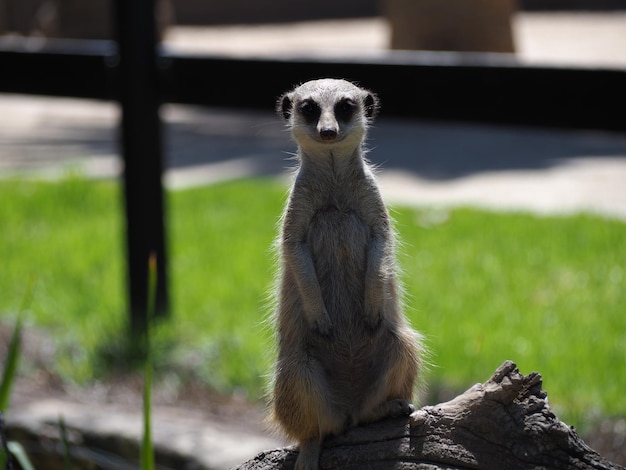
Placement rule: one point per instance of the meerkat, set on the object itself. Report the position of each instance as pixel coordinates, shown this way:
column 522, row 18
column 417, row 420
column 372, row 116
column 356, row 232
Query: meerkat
column 346, row 354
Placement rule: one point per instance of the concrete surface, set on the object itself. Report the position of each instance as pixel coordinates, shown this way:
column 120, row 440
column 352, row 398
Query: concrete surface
column 421, row 163
column 176, row 431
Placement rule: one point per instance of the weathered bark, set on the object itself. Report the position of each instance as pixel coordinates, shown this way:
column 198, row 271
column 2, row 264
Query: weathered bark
column 505, row 423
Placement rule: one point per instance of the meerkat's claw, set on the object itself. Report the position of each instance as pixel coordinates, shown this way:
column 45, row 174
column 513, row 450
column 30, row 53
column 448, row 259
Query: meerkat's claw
column 400, row 407
column 373, row 320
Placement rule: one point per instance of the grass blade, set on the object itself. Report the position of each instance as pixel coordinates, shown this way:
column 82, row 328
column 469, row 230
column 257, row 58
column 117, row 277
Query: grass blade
column 67, row 456
column 19, row 453
column 4, row 448
column 10, row 366
column 147, row 448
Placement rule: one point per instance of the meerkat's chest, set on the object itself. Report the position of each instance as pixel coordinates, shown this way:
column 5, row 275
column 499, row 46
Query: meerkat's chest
column 338, row 234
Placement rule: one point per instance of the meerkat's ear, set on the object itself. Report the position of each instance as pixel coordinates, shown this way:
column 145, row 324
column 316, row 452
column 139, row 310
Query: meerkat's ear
column 284, row 105
column 372, row 105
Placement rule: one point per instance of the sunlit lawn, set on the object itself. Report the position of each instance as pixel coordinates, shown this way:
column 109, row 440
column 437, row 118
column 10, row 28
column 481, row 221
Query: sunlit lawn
column 547, row 292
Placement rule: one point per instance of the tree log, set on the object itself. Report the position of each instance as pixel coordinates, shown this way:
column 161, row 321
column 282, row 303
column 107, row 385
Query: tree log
column 505, row 423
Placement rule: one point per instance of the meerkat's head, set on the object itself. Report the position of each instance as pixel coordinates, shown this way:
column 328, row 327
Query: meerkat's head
column 328, row 114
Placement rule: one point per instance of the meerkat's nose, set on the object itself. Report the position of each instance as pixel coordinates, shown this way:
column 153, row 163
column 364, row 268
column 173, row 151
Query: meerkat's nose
column 327, row 125
column 328, row 133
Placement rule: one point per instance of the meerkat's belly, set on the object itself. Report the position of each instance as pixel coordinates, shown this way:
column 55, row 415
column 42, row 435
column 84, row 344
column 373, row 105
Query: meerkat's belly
column 338, row 240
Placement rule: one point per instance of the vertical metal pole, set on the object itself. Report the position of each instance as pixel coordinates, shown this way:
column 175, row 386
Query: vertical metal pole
column 139, row 97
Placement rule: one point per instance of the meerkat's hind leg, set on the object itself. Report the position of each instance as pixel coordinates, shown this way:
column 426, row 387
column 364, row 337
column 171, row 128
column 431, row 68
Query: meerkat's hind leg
column 309, row 458
column 390, row 396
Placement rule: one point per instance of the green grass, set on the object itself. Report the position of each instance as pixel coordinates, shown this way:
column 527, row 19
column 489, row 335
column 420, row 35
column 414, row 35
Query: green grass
column 547, row 292
column 66, row 239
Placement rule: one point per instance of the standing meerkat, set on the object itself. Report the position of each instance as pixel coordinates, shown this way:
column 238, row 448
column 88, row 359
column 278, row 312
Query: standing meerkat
column 346, row 354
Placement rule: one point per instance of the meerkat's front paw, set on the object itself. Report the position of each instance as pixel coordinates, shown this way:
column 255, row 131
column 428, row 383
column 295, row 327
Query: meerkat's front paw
column 373, row 318
column 322, row 323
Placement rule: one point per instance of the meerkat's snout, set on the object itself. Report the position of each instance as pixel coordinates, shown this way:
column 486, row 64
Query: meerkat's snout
column 320, row 117
column 328, row 128
column 340, row 113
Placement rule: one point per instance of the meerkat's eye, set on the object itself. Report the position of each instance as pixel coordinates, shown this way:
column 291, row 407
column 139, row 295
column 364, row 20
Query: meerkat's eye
column 310, row 110
column 345, row 109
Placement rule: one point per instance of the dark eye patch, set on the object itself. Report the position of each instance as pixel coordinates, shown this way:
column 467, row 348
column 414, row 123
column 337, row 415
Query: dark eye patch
column 344, row 109
column 310, row 110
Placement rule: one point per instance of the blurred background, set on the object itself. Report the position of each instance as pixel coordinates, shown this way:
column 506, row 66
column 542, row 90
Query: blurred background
column 557, row 31
column 513, row 235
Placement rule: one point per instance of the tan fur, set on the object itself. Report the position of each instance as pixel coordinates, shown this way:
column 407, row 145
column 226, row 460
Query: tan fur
column 346, row 354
